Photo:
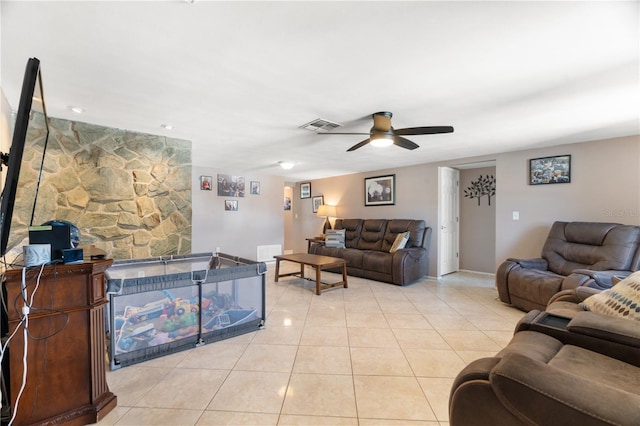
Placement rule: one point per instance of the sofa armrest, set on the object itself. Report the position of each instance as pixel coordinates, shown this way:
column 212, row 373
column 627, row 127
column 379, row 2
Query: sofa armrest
column 537, row 263
column 601, row 280
column 543, row 394
column 576, row 295
column 613, row 329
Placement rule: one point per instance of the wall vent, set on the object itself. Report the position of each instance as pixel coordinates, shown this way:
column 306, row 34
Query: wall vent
column 266, row 253
column 320, row 124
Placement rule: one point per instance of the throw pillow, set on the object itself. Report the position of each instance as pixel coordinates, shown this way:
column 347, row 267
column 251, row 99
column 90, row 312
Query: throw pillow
column 400, row 242
column 334, row 238
column 621, row 300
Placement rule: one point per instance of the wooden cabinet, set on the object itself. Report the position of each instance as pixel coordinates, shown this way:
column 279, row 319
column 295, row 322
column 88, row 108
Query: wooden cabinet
column 66, row 348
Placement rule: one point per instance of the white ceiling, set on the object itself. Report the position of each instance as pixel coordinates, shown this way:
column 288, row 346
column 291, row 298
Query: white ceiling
column 239, row 78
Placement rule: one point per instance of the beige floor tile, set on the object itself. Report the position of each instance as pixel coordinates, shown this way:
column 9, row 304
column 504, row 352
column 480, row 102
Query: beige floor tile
column 261, row 357
column 363, row 319
column 168, row 361
column 141, row 416
column 320, row 395
column 231, row 418
column 292, row 420
column 251, row 391
column 390, row 422
column 502, row 338
column 114, row 415
column 411, row 321
column 362, row 306
column 217, row 355
column 187, row 388
column 425, row 339
column 464, row 340
column 450, row 322
column 323, row 360
column 493, row 323
column 402, row 398
column 278, row 318
column 371, row 337
column 434, row 362
column 279, row 335
column 469, row 356
column 437, row 391
column 133, row 382
column 380, row 362
column 390, row 307
column 327, row 319
column 324, row 336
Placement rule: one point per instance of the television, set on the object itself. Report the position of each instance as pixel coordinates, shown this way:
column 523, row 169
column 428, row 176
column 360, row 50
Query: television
column 31, row 107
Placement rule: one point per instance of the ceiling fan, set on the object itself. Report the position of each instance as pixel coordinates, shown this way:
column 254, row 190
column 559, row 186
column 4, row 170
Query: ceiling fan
column 382, row 134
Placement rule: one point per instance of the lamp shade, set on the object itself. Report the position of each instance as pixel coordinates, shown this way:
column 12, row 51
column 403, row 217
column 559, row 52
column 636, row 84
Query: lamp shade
column 325, row 210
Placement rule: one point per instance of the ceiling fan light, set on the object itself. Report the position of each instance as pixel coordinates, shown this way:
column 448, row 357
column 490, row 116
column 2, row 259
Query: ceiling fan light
column 287, row 165
column 382, row 141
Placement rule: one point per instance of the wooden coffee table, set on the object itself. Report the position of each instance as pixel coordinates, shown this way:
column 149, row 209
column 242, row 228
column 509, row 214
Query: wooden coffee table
column 317, row 262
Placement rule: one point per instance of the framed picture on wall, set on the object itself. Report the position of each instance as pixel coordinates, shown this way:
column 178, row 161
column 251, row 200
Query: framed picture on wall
column 317, row 202
column 230, row 186
column 206, row 183
column 380, row 190
column 231, row 205
column 255, row 187
column 305, row 190
column 547, row 170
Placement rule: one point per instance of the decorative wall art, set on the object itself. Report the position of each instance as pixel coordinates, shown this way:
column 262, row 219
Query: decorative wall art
column 305, row 190
column 317, row 202
column 206, row 183
column 380, row 190
column 231, row 205
column 550, row 170
column 255, row 188
column 485, row 185
column 230, row 186
column 287, row 203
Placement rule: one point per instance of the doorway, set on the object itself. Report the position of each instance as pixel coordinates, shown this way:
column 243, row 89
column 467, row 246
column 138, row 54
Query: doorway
column 448, row 216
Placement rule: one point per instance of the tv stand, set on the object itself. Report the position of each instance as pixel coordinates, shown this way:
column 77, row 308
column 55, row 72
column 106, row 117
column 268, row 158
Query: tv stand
column 66, row 381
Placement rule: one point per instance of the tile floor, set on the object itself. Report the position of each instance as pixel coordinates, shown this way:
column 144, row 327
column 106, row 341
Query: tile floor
column 372, row 354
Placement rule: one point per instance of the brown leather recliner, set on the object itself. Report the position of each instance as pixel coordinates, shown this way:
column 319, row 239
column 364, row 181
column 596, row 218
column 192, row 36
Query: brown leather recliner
column 540, row 380
column 574, row 254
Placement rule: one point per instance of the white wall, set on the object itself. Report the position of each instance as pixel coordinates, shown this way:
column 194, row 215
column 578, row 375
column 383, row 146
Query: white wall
column 258, row 221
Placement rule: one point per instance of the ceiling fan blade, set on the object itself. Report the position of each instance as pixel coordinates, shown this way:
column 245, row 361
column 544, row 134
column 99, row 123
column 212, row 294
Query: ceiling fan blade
column 382, row 121
column 359, row 145
column 339, row 133
column 430, row 130
column 405, row 143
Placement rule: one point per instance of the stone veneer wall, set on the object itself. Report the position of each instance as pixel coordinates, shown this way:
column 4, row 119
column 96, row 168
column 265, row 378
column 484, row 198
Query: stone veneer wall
column 129, row 193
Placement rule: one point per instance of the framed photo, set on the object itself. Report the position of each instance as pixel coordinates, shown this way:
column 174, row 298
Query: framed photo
column 317, row 202
column 305, row 190
column 231, row 205
column 550, row 170
column 380, row 191
column 287, row 203
column 206, row 183
column 230, row 186
column 254, row 188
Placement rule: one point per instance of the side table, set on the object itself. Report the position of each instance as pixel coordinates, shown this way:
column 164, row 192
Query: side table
column 314, row 240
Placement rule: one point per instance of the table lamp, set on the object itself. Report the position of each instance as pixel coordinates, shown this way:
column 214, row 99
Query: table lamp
column 325, row 210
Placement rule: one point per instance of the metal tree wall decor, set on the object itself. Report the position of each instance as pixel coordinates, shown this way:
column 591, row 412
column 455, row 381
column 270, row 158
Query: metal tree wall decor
column 481, row 187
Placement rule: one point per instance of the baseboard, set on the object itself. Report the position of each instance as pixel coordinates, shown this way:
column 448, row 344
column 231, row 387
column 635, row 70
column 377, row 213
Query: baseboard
column 491, row 274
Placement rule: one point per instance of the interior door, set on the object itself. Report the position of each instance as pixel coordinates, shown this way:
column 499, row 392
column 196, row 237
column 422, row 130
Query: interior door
column 448, row 225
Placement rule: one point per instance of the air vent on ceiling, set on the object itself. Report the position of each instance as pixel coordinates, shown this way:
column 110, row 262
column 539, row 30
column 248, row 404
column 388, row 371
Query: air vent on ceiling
column 320, row 124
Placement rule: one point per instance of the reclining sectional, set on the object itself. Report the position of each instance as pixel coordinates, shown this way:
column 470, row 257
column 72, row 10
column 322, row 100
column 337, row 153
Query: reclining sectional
column 367, row 245
column 574, row 254
column 564, row 366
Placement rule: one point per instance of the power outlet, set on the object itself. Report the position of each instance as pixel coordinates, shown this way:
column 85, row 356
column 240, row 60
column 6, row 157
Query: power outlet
column 516, row 215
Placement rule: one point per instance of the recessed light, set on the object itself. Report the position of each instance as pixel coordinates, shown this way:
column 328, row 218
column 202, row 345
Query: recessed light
column 167, row 126
column 76, row 109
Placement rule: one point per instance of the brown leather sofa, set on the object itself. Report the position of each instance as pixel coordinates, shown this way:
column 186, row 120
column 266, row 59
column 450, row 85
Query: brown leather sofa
column 367, row 245
column 539, row 379
column 574, row 254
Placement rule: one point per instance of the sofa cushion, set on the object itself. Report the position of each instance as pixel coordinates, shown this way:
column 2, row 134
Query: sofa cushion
column 377, row 261
column 416, row 229
column 621, row 300
column 590, row 245
column 372, row 234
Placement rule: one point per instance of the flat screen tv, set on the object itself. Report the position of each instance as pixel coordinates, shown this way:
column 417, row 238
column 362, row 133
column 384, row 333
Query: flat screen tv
column 31, row 103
